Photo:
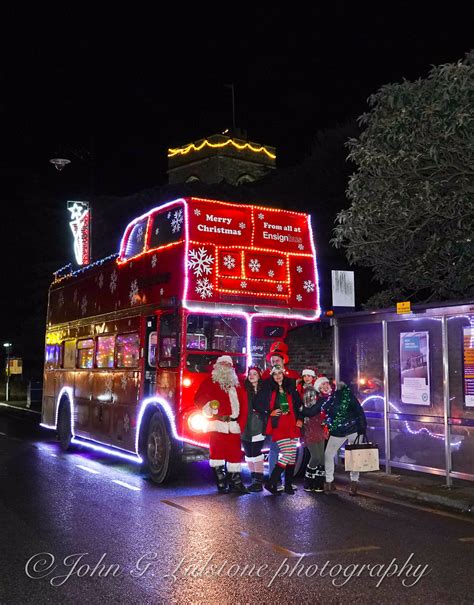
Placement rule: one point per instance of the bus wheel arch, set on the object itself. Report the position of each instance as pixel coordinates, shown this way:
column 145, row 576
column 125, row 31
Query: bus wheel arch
column 157, row 446
column 64, row 423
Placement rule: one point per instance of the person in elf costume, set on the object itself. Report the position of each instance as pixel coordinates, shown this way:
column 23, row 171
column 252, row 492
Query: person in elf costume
column 221, row 399
column 314, row 435
column 345, row 419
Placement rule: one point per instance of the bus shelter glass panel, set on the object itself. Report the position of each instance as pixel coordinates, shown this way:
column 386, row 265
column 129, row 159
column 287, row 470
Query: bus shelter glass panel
column 361, row 367
column 461, row 391
column 417, row 443
column 415, row 377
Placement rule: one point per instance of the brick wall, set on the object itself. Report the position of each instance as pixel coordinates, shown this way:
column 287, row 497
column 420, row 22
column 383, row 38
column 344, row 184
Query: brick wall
column 311, row 346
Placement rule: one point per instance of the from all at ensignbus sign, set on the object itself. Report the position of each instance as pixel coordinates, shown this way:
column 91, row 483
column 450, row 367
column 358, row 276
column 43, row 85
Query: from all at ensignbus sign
column 131, row 337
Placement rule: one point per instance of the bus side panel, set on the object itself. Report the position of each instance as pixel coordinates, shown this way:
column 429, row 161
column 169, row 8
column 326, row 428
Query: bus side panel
column 49, row 396
column 82, row 401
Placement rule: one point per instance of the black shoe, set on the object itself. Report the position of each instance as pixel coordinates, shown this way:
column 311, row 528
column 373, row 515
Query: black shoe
column 271, row 485
column 289, row 472
column 309, row 479
column 236, row 485
column 221, row 479
column 257, row 483
column 319, row 479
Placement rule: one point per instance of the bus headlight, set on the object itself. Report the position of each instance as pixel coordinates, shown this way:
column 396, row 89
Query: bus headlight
column 197, row 422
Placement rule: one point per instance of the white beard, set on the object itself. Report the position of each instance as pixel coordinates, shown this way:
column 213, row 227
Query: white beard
column 225, row 377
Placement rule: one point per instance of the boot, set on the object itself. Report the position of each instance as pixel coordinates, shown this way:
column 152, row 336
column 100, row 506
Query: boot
column 320, row 475
column 289, row 472
column 221, row 479
column 329, row 487
column 353, row 488
column 236, row 485
column 309, row 479
column 257, row 483
column 271, row 485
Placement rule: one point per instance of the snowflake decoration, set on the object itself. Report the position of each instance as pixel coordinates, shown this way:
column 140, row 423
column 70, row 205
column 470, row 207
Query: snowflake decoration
column 84, row 305
column 108, row 384
column 300, row 247
column 169, row 215
column 229, row 261
column 308, row 286
column 161, row 291
column 280, row 288
column 177, row 221
column 204, row 288
column 100, row 281
column 197, row 212
column 260, row 216
column 271, row 273
column 299, row 298
column 113, row 281
column 242, row 225
column 299, row 268
column 243, row 284
column 200, row 262
column 140, row 234
column 280, row 262
column 61, row 299
column 153, row 261
column 157, row 230
column 133, row 295
column 254, row 265
column 124, row 381
column 126, row 423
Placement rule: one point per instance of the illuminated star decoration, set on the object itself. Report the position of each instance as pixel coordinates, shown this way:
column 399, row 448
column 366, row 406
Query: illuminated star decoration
column 79, row 224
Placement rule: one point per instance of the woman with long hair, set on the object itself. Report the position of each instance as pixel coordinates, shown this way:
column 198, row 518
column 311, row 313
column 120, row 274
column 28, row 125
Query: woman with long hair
column 253, row 434
column 281, row 405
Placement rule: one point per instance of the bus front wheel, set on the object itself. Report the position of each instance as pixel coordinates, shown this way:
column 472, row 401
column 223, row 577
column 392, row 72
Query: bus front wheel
column 64, row 427
column 160, row 450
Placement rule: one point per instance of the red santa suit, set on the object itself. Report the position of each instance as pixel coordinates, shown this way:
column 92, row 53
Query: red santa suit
column 225, row 423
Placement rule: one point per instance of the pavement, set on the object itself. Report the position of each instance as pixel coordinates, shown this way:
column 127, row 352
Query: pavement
column 417, row 488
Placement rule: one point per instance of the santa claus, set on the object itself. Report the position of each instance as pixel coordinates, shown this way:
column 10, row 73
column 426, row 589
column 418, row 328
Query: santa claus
column 221, row 400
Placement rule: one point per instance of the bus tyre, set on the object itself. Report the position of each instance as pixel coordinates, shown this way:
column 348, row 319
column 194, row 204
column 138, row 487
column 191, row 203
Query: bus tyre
column 161, row 455
column 64, row 427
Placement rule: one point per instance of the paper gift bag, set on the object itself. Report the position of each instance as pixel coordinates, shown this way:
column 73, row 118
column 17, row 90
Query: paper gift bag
column 361, row 457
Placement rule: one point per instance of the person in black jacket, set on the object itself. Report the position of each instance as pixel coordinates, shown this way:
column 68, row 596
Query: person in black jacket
column 345, row 419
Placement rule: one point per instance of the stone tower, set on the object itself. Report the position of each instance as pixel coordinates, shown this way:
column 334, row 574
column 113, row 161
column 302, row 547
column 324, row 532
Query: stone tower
column 220, row 157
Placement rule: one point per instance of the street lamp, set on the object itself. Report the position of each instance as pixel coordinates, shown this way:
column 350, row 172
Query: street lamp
column 8, row 346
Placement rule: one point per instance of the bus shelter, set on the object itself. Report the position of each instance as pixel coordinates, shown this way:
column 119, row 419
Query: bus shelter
column 414, row 375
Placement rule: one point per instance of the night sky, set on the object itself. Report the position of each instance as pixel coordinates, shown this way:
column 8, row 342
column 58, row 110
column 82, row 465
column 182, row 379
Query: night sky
column 125, row 86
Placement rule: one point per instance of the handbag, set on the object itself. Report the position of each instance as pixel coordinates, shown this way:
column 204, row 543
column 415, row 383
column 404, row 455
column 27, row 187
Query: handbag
column 361, row 456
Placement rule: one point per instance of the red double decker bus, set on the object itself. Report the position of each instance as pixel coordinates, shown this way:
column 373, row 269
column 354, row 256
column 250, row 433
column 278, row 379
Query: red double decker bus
column 131, row 337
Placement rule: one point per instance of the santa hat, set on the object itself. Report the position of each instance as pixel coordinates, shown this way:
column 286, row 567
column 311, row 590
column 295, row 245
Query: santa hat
column 308, row 372
column 319, row 382
column 225, row 359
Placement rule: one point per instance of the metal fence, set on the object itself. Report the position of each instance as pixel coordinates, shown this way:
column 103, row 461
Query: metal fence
column 414, row 375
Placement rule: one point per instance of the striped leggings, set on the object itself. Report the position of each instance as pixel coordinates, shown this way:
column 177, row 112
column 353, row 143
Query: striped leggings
column 287, row 454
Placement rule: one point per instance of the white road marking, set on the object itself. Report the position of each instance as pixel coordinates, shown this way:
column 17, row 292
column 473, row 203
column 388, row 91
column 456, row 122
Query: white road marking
column 127, row 485
column 89, row 470
column 466, row 539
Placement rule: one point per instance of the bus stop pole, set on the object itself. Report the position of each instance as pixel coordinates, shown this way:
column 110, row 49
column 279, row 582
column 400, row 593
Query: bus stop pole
column 386, row 403
column 447, row 428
